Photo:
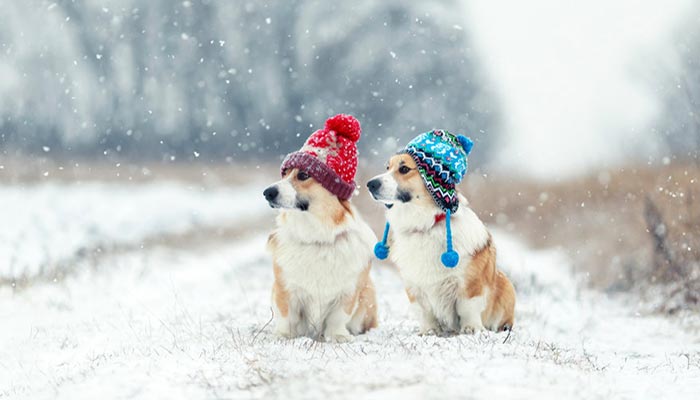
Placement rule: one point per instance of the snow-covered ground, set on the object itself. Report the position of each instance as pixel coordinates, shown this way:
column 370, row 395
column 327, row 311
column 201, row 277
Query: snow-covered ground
column 46, row 226
column 193, row 322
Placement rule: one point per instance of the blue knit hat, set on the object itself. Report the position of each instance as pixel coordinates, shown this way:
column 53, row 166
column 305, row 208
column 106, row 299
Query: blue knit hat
column 441, row 158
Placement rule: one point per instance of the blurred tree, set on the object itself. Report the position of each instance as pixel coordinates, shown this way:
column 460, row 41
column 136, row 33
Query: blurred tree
column 216, row 79
column 679, row 124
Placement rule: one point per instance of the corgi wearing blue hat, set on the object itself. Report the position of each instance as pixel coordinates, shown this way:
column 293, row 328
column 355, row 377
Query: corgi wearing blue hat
column 443, row 251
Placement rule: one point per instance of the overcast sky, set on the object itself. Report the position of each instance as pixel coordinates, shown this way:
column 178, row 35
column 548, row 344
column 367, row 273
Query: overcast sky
column 571, row 77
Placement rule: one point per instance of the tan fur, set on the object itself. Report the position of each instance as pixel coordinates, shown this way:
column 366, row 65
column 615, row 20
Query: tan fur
column 324, row 204
column 366, row 301
column 279, row 292
column 411, row 181
column 340, row 214
column 280, row 295
column 411, row 296
column 482, row 273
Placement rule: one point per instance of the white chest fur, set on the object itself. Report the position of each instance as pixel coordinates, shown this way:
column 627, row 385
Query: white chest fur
column 419, row 243
column 320, row 262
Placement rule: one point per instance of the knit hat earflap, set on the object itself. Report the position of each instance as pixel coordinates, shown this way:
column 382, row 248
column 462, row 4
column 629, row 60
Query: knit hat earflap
column 441, row 158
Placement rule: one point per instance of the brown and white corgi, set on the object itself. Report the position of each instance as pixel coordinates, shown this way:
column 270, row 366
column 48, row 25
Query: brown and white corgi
column 470, row 297
column 321, row 248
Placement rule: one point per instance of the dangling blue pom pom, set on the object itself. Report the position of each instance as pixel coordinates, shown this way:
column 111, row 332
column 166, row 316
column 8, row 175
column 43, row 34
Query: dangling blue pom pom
column 381, row 251
column 466, row 143
column 450, row 258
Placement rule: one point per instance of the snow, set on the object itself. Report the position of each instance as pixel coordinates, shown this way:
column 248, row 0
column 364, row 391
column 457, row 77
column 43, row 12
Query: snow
column 192, row 322
column 46, row 225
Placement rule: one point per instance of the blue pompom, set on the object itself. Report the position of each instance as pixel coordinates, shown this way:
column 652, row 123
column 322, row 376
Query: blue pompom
column 450, row 258
column 381, row 251
column 466, row 143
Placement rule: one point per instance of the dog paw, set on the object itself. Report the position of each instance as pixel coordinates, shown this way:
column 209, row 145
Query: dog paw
column 339, row 338
column 470, row 330
column 283, row 333
column 430, row 331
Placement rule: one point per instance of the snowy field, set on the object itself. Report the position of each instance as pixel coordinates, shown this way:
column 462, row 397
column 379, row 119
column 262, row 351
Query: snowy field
column 192, row 321
column 48, row 227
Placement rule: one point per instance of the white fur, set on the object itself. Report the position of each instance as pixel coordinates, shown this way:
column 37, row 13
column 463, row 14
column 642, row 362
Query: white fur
column 428, row 323
column 469, row 311
column 418, row 244
column 387, row 191
column 287, row 197
column 416, row 249
column 320, row 265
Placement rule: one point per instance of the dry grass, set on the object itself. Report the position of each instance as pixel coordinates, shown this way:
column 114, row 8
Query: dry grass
column 599, row 220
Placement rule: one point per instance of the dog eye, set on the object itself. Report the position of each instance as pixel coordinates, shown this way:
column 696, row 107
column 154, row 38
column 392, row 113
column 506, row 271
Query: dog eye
column 403, row 170
column 302, row 176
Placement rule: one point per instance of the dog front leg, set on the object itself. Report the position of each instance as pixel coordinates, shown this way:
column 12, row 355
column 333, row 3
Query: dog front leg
column 281, row 304
column 422, row 311
column 469, row 310
column 336, row 324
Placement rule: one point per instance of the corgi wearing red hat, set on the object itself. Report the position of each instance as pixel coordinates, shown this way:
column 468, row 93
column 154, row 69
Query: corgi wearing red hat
column 321, row 248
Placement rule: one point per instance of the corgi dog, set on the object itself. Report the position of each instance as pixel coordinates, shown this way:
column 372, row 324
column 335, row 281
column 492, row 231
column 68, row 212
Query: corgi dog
column 470, row 296
column 321, row 248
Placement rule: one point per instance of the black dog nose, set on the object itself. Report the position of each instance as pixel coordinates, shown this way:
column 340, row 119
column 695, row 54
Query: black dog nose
column 374, row 184
column 270, row 193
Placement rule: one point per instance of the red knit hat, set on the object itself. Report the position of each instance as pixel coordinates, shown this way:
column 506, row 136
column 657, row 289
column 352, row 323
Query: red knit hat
column 330, row 155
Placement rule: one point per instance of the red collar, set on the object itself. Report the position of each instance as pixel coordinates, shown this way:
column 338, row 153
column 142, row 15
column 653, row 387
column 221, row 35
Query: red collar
column 439, row 218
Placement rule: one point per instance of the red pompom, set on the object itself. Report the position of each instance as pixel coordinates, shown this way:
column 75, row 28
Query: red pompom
column 345, row 125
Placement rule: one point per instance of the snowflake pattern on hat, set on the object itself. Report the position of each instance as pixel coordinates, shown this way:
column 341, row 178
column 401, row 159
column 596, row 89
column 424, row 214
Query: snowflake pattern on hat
column 441, row 158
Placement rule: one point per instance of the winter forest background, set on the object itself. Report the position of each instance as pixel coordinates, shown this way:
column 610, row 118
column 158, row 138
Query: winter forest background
column 129, row 79
column 137, row 136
